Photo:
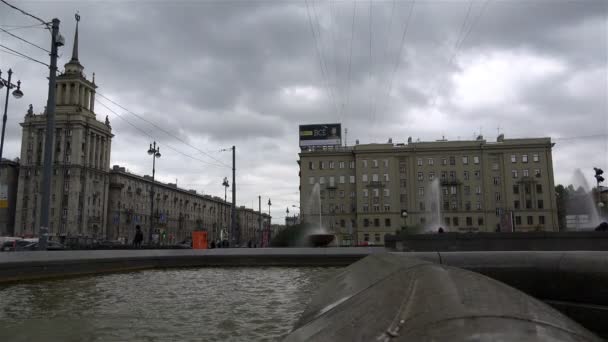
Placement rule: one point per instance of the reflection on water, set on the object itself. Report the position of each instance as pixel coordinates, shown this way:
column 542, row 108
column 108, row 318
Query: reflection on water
column 227, row 304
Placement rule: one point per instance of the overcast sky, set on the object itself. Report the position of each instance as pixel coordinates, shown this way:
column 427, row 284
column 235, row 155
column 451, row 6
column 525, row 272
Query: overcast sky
column 247, row 73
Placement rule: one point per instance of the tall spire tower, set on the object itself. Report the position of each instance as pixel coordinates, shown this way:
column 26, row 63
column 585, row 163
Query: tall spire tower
column 81, row 159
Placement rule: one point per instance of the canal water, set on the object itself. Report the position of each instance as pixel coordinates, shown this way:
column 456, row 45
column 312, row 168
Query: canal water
column 203, row 304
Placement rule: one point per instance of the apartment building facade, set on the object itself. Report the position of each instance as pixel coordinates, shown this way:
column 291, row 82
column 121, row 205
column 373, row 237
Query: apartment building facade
column 368, row 191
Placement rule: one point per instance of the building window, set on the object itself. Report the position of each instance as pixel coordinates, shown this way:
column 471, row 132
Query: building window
column 518, row 220
column 421, row 206
column 524, row 158
column 331, row 164
column 480, row 221
column 431, row 175
column 525, row 173
column 476, row 159
column 332, row 181
column 453, row 190
column 387, row 207
column 321, row 165
column 444, row 175
column 420, row 191
column 376, row 222
column 467, row 190
column 385, row 162
column 422, row 220
column 478, row 205
column 467, row 206
column 456, row 221
column 452, row 175
column 454, row 205
column 477, row 174
column 341, row 165
column 351, row 164
column 539, row 189
column 537, row 173
column 376, row 192
column 342, row 179
column 496, row 180
column 444, row 161
column 387, row 222
column 527, row 189
column 466, row 175
column 365, row 208
column 465, row 160
column 541, row 220
column 530, row 220
column 514, row 173
column 386, row 193
column 447, row 221
column 403, row 183
column 528, row 204
column 365, row 193
column 386, row 177
column 478, row 190
column 535, row 158
column 516, row 204
column 419, row 161
column 469, row 221
column 364, row 178
column 364, row 161
column 377, row 237
column 515, row 189
column 374, row 177
column 321, row 180
column 540, row 204
column 341, row 193
column 352, row 194
column 513, row 158
column 494, row 166
column 452, row 160
column 376, row 208
column 374, row 163
column 431, row 161
column 420, row 176
column 366, row 236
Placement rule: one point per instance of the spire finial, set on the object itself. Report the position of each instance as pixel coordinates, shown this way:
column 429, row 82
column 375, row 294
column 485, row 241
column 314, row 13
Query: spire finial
column 75, row 49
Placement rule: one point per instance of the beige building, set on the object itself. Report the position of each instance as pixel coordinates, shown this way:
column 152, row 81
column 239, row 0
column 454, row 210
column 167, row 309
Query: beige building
column 368, row 191
column 81, row 159
column 9, row 174
column 177, row 212
column 249, row 225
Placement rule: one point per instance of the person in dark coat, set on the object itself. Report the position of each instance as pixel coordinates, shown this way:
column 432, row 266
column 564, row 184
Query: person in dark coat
column 139, row 236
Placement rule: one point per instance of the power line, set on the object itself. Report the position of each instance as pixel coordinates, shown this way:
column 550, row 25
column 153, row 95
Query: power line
column 41, row 48
column 350, row 56
column 27, row 14
column 24, row 55
column 162, row 130
column 152, row 137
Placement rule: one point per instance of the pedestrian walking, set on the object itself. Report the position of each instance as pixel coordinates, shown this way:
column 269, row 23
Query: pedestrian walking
column 139, row 237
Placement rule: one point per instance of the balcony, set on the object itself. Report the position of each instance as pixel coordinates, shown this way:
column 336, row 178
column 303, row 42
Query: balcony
column 375, row 184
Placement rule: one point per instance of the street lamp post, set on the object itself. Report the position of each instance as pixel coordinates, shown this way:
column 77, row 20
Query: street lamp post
column 17, row 93
column 154, row 151
column 226, row 184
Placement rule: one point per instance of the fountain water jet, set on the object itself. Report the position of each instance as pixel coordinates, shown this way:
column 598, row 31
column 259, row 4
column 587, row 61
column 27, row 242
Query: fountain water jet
column 316, row 234
column 579, row 181
column 432, row 202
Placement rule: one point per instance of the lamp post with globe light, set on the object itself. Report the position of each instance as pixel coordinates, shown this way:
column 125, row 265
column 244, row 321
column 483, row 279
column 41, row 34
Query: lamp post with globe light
column 154, row 151
column 17, row 93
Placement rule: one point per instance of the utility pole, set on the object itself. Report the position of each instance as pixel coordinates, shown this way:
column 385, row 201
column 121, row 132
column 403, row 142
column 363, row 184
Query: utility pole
column 48, row 142
column 260, row 220
column 233, row 230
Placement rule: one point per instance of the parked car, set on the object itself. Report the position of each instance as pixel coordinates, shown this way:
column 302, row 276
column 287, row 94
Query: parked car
column 51, row 246
column 16, row 245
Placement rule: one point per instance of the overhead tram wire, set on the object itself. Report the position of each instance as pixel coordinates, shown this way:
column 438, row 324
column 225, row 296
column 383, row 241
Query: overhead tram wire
column 24, row 55
column 27, row 14
column 317, row 38
column 154, row 138
column 162, row 129
column 24, row 40
column 399, row 52
column 346, row 102
column 386, row 48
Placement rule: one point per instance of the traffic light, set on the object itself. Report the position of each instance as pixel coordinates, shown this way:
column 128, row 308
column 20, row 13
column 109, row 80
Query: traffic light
column 598, row 175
